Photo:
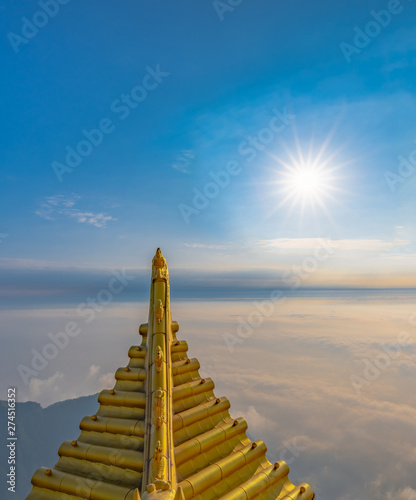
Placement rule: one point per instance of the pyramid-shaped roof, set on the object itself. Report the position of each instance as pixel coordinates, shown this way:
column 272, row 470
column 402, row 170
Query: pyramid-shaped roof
column 161, row 433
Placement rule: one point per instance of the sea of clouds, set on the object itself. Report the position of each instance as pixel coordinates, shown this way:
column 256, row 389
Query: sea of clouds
column 323, row 380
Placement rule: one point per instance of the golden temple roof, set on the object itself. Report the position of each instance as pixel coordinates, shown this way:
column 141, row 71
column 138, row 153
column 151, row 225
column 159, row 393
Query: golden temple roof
column 161, row 433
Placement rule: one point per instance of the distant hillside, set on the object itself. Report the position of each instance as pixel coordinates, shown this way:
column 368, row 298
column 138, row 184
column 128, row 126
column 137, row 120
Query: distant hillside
column 40, row 432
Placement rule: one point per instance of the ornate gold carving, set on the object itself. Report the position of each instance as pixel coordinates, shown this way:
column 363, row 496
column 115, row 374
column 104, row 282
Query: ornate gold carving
column 158, row 310
column 158, row 465
column 159, row 266
column 151, row 488
column 162, row 485
column 161, row 490
column 158, row 359
column 160, row 273
column 158, row 410
column 158, row 259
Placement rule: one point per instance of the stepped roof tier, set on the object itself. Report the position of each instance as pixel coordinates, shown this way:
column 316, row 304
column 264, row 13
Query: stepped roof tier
column 161, row 433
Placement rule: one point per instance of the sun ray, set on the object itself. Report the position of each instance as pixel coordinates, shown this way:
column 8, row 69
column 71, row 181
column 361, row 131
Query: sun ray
column 307, row 178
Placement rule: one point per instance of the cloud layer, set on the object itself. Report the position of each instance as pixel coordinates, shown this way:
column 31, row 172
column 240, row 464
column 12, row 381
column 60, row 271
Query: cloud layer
column 363, row 245
column 290, row 377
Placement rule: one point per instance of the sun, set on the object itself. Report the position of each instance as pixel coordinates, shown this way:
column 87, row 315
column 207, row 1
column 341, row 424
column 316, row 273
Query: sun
column 307, row 182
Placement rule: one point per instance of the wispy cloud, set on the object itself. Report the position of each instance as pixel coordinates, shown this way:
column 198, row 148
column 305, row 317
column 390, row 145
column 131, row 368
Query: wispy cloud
column 106, row 381
column 57, row 205
column 49, row 390
column 351, row 244
column 184, row 161
column 201, row 245
column 94, row 369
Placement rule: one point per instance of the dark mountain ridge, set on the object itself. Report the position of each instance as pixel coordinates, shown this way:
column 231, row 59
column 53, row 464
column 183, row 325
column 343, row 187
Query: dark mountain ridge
column 40, row 432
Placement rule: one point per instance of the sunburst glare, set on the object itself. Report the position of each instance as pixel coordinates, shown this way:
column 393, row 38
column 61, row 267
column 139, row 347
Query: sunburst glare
column 307, row 182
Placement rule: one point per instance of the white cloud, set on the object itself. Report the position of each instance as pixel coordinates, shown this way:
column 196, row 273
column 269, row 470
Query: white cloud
column 405, row 494
column 54, row 206
column 402, row 494
column 184, row 161
column 94, row 369
column 97, row 220
column 201, row 245
column 59, row 199
column 349, row 245
column 256, row 420
column 37, row 386
column 106, row 381
column 48, row 390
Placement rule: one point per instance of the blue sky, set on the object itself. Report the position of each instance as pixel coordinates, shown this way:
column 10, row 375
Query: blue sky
column 223, row 81
column 307, row 123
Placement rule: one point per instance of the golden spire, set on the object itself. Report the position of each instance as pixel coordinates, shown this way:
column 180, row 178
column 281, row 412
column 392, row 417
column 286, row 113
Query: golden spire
column 161, row 433
column 159, row 471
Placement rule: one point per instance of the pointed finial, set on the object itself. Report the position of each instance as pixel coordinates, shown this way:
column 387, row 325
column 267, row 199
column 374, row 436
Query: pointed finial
column 158, row 259
column 159, row 266
column 158, row 254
